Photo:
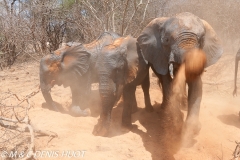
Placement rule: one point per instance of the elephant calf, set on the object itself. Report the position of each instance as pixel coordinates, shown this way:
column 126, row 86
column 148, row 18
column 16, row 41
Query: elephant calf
column 72, row 65
column 121, row 64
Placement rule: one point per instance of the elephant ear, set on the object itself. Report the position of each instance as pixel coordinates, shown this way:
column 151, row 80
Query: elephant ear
column 75, row 61
column 212, row 46
column 150, row 44
column 132, row 59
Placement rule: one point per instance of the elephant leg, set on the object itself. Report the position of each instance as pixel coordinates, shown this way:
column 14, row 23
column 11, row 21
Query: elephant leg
column 75, row 96
column 237, row 59
column 128, row 103
column 145, row 86
column 192, row 124
column 134, row 101
column 184, row 100
column 77, row 99
column 102, row 128
column 165, row 81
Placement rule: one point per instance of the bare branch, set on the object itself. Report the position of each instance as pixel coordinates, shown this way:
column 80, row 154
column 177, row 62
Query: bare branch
column 144, row 13
column 92, row 10
column 133, row 14
column 124, row 16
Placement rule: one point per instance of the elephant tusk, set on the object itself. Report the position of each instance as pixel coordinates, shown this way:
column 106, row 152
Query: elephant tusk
column 171, row 70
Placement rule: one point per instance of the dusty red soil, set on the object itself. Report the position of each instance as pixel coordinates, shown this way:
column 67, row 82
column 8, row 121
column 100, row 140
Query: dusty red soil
column 218, row 116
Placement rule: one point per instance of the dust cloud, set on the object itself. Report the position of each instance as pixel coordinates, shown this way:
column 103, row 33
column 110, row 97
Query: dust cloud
column 171, row 121
column 222, row 15
column 172, row 117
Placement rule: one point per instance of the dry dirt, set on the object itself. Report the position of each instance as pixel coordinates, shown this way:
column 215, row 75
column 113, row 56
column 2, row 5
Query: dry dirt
column 218, row 116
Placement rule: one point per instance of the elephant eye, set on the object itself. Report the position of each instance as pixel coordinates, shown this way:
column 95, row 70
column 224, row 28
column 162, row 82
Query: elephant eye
column 165, row 40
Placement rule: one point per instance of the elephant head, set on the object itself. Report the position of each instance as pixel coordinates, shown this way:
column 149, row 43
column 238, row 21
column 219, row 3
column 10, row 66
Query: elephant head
column 59, row 68
column 118, row 62
column 68, row 65
column 165, row 41
column 118, row 65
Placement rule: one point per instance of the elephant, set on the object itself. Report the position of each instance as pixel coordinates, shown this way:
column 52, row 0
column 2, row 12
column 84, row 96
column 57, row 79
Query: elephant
column 237, row 58
column 164, row 43
column 121, row 68
column 72, row 65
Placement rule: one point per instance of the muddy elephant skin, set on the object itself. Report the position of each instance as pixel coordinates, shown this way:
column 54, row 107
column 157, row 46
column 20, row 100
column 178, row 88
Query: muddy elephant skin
column 121, row 67
column 72, row 66
column 165, row 42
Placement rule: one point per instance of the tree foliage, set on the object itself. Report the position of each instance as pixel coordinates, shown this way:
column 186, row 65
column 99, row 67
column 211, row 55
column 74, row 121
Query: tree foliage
column 36, row 27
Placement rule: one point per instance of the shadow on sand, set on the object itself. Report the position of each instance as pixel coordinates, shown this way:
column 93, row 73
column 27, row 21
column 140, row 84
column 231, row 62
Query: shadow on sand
column 231, row 119
column 162, row 138
column 92, row 102
column 161, row 135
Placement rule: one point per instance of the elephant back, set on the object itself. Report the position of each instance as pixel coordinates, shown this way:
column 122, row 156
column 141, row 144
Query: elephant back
column 96, row 46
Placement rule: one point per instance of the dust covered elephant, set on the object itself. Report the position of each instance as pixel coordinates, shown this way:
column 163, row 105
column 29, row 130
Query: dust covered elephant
column 72, row 66
column 121, row 66
column 237, row 58
column 164, row 43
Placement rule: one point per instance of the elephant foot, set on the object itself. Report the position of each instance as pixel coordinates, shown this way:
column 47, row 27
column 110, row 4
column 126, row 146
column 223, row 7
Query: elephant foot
column 126, row 127
column 77, row 112
column 163, row 105
column 51, row 107
column 54, row 108
column 100, row 129
column 149, row 108
column 191, row 129
column 134, row 109
column 183, row 107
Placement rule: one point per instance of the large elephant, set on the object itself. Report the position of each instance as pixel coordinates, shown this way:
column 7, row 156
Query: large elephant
column 121, row 64
column 237, row 58
column 72, row 65
column 164, row 43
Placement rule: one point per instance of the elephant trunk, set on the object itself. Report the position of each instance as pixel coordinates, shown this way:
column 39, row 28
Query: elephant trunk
column 45, row 89
column 235, row 76
column 187, row 50
column 184, row 42
column 107, row 89
column 107, row 105
column 46, row 94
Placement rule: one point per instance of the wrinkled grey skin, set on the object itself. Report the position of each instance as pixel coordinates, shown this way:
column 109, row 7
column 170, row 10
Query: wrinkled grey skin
column 121, row 64
column 235, row 75
column 73, row 66
column 165, row 40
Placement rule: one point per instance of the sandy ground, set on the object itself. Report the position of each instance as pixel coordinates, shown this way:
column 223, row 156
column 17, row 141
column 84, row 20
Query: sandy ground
column 218, row 116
